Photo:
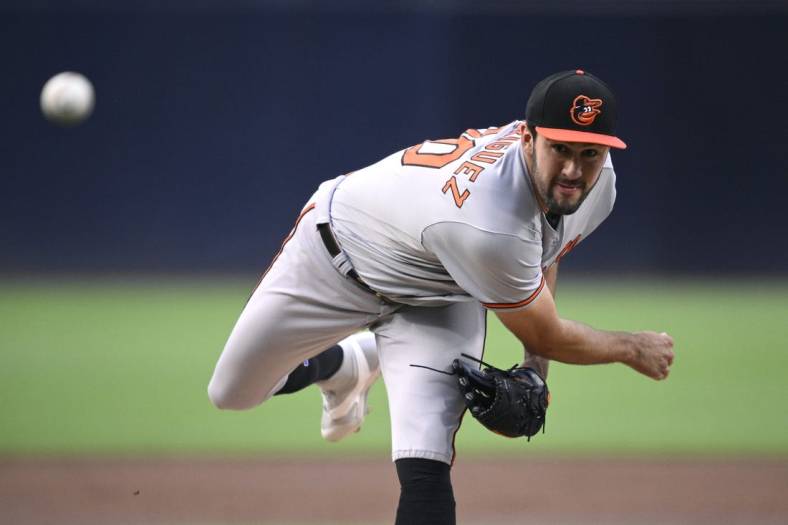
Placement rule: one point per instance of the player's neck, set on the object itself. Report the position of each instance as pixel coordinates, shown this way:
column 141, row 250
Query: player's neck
column 553, row 219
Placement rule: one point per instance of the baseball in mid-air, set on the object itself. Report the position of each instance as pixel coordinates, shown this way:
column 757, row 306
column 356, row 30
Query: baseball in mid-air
column 67, row 98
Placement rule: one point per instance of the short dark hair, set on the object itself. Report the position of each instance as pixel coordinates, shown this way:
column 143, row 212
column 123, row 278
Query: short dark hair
column 531, row 130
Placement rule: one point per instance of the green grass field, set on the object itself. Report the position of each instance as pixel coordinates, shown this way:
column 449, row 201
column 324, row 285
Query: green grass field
column 105, row 367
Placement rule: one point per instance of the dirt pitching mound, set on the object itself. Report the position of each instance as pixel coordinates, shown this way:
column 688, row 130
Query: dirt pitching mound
column 90, row 491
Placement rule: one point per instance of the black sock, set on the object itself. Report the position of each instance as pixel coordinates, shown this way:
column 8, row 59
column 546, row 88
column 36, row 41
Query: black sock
column 426, row 496
column 319, row 368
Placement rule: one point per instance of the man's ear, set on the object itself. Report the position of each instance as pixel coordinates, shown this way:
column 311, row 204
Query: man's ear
column 527, row 139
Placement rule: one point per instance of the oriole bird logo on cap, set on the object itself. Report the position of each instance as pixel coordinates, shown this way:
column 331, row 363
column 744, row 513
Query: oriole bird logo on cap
column 584, row 110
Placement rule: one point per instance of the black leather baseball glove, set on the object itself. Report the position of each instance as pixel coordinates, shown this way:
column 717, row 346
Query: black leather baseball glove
column 510, row 402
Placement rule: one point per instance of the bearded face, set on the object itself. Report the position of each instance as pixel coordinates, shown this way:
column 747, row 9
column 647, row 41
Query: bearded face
column 563, row 173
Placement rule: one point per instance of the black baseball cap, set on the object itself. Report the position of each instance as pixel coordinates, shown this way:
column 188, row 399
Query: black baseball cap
column 574, row 106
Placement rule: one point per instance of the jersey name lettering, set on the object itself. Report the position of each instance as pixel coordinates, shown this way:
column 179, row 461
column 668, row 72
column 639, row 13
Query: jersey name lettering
column 439, row 153
column 459, row 199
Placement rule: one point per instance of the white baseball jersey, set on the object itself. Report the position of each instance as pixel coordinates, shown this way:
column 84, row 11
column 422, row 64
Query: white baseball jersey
column 440, row 228
column 456, row 220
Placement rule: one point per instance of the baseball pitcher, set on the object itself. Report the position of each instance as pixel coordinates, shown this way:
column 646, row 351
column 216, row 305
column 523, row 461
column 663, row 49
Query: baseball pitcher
column 392, row 269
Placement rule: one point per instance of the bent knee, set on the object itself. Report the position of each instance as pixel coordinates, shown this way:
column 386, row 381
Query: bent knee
column 233, row 396
column 226, row 398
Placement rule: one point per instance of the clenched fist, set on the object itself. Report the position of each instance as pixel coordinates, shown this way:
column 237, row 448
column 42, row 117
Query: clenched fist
column 653, row 354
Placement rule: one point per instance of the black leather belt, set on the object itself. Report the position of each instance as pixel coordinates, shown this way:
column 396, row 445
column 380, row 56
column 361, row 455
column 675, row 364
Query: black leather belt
column 333, row 250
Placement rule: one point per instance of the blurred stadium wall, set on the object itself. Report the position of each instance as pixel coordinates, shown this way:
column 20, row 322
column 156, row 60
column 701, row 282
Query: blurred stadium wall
column 215, row 120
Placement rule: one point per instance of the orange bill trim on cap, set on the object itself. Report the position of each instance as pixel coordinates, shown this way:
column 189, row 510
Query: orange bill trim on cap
column 570, row 135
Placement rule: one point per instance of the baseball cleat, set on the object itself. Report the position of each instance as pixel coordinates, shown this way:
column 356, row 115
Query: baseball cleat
column 345, row 393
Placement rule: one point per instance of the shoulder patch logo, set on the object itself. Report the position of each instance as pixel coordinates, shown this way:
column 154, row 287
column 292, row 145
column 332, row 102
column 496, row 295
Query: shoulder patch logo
column 584, row 110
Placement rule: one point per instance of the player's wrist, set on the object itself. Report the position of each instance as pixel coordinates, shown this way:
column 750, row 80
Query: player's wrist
column 628, row 350
column 540, row 364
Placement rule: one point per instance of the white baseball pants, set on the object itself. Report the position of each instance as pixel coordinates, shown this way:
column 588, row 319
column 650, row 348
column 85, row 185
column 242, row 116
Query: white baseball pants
column 304, row 305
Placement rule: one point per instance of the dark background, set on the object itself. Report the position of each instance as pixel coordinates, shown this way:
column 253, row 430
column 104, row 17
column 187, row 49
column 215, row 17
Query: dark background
column 216, row 120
